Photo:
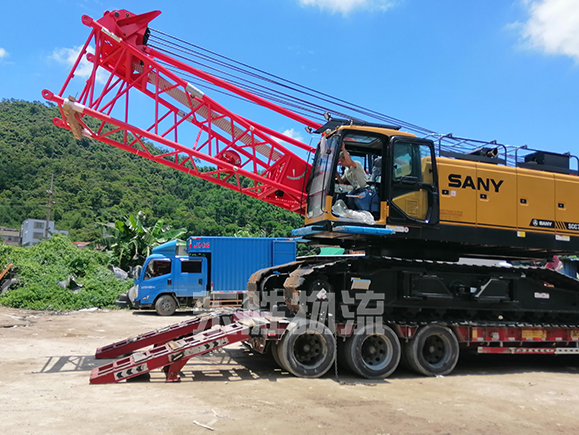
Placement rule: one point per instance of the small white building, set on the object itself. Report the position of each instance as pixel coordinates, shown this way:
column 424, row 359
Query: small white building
column 33, row 231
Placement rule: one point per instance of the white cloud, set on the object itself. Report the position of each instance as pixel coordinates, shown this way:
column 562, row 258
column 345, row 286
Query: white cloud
column 3, row 53
column 294, row 134
column 68, row 56
column 552, row 27
column 346, row 6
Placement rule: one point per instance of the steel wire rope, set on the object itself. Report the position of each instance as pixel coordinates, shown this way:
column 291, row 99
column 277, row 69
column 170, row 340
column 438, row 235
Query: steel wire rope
column 265, row 92
column 197, row 81
column 432, row 133
column 450, row 142
column 350, row 106
column 445, row 142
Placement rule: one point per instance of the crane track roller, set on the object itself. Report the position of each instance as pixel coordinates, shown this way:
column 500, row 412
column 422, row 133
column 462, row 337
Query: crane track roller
column 307, row 348
column 433, row 351
column 373, row 351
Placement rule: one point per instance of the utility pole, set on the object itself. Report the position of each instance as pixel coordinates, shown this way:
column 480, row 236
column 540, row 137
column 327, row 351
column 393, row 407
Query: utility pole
column 49, row 206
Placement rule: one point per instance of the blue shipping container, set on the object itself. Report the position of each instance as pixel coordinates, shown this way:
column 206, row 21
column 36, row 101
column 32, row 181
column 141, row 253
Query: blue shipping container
column 232, row 260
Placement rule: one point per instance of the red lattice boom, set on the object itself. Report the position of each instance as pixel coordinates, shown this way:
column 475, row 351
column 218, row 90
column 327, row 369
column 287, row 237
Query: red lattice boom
column 231, row 151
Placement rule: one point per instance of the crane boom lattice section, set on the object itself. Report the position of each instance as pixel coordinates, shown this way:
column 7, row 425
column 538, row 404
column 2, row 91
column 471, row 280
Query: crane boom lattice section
column 132, row 84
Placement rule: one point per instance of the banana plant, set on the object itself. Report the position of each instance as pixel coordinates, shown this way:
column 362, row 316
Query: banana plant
column 130, row 241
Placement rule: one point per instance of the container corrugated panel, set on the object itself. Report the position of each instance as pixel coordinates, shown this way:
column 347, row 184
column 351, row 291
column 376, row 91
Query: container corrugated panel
column 234, row 259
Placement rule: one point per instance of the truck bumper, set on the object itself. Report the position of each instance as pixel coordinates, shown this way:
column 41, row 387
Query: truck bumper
column 123, row 301
column 130, row 299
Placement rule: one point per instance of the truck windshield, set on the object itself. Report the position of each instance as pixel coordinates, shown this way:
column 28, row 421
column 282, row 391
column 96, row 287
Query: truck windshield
column 320, row 180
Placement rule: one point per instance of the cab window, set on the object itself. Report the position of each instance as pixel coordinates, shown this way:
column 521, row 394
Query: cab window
column 158, row 268
column 402, row 161
column 191, row 266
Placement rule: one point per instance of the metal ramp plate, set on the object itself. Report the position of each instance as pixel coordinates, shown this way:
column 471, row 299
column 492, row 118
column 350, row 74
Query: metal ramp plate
column 171, row 356
column 163, row 335
column 174, row 345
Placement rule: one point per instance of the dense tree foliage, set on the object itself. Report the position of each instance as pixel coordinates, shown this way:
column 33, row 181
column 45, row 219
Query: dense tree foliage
column 95, row 182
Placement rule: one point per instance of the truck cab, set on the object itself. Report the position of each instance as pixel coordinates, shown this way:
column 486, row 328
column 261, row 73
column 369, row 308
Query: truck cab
column 169, row 280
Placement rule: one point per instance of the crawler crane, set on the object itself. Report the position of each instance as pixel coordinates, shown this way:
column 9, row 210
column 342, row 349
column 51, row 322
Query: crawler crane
column 428, row 203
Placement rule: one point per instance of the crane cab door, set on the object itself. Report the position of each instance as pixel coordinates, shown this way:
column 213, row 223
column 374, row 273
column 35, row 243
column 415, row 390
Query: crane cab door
column 413, row 188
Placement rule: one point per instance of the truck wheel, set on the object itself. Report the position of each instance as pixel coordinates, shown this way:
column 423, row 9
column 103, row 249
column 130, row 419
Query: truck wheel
column 307, row 349
column 165, row 305
column 433, row 351
column 373, row 351
column 341, row 355
column 275, row 353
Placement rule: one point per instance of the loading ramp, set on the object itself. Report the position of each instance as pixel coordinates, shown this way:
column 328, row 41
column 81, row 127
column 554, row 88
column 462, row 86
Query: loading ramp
column 173, row 346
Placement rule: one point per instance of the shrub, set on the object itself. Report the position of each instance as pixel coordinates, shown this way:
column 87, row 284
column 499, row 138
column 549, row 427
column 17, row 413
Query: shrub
column 40, row 267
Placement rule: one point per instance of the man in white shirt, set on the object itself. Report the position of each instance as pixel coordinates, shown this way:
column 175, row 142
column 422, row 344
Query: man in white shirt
column 361, row 196
column 354, row 173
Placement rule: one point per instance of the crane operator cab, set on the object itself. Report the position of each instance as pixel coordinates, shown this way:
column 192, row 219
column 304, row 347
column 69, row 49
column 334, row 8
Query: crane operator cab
column 399, row 185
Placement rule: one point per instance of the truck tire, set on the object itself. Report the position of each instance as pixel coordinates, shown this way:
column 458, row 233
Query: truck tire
column 165, row 305
column 433, row 351
column 341, row 355
column 307, row 349
column 274, row 353
column 373, row 351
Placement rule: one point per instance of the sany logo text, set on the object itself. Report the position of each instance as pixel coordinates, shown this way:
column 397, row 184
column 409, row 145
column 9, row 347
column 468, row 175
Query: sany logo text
column 455, row 180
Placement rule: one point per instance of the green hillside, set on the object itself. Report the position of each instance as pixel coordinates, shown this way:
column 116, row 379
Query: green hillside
column 94, row 182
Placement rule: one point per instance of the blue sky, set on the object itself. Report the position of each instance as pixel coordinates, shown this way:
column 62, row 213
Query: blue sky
column 484, row 69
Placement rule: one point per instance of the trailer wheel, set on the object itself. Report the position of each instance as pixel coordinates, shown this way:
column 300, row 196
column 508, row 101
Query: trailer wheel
column 341, row 354
column 165, row 305
column 373, row 351
column 307, row 349
column 275, row 354
column 433, row 351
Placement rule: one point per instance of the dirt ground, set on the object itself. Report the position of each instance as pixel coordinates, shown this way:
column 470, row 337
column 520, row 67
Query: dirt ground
column 46, row 359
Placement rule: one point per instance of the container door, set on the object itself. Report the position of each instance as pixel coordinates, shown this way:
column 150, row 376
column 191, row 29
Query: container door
column 190, row 277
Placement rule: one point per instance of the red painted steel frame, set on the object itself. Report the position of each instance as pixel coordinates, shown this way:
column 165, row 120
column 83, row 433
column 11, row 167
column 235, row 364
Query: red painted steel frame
column 175, row 344
column 160, row 336
column 171, row 356
column 242, row 155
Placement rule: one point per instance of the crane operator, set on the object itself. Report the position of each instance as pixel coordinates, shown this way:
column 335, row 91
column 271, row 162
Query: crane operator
column 354, row 173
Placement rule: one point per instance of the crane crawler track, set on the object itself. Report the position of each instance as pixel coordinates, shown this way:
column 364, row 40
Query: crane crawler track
column 355, row 288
